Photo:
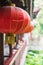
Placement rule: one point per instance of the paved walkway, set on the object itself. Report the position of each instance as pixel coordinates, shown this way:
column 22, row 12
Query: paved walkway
column 36, row 44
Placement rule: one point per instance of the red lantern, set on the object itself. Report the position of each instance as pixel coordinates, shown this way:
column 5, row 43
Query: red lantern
column 13, row 19
column 26, row 28
column 19, row 19
column 26, row 22
column 29, row 29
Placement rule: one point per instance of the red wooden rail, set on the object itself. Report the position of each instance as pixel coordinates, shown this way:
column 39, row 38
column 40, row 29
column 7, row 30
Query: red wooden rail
column 16, row 56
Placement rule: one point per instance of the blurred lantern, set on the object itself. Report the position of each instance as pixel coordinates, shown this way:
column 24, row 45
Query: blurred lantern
column 23, row 20
column 27, row 21
column 13, row 19
column 28, row 28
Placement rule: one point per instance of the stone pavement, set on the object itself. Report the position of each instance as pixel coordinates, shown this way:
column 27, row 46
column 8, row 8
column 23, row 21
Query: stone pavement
column 36, row 43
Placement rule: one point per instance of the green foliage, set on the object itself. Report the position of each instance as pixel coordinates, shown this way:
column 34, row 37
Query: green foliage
column 34, row 57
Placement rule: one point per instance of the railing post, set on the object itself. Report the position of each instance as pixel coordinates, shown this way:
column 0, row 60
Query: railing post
column 1, row 50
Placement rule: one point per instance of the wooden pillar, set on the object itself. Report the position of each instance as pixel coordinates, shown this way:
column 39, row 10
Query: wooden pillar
column 31, row 8
column 1, row 50
column 28, row 5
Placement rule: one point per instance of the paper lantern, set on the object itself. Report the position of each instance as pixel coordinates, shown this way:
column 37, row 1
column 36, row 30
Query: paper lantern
column 29, row 29
column 26, row 22
column 12, row 19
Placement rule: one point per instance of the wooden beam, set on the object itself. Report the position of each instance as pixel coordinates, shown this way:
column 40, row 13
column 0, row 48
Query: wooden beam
column 1, row 50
